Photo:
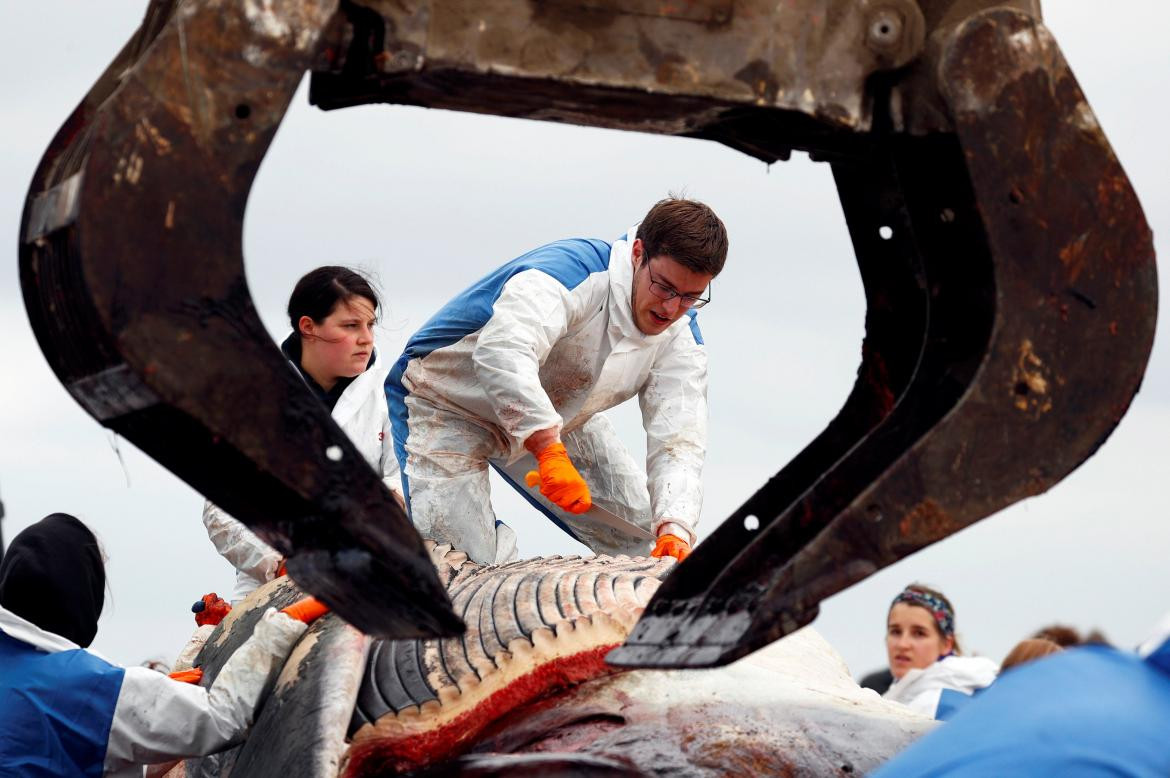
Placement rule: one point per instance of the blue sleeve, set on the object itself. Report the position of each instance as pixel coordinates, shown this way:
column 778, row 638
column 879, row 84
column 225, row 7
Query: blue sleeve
column 55, row 710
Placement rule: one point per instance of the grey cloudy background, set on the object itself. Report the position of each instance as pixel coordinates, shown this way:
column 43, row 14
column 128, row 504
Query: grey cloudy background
column 428, row 200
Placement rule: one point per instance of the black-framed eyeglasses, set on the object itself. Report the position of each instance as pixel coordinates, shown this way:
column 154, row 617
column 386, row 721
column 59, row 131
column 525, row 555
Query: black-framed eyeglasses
column 665, row 292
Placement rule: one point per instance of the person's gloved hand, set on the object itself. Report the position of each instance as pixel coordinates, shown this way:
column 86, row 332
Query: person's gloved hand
column 307, row 610
column 211, row 609
column 671, row 545
column 194, row 675
column 559, row 480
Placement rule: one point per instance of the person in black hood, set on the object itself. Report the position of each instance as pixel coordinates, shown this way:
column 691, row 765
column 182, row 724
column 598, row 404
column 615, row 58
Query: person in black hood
column 53, row 575
column 64, row 710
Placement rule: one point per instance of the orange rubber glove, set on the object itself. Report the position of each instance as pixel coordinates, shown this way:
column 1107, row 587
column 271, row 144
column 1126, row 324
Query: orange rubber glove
column 671, row 545
column 282, row 569
column 307, row 610
column 194, row 675
column 210, row 609
column 559, row 480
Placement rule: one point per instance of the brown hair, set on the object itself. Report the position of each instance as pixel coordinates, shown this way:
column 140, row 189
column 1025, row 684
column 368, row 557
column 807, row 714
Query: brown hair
column 1028, row 650
column 1060, row 634
column 1064, row 636
column 688, row 232
column 320, row 290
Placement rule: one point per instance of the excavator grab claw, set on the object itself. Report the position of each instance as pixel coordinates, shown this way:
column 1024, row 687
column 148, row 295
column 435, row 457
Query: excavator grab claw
column 133, row 277
column 1037, row 303
column 1008, row 268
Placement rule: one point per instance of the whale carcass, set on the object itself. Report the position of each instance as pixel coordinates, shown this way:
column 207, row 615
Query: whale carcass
column 526, row 690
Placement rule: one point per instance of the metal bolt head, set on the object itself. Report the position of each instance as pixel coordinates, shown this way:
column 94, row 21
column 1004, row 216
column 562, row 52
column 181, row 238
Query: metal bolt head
column 894, row 31
column 885, row 29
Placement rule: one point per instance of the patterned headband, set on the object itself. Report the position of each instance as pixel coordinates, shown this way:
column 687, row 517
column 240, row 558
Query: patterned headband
column 943, row 615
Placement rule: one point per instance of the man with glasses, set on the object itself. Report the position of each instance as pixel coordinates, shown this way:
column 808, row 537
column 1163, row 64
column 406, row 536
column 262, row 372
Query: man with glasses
column 516, row 371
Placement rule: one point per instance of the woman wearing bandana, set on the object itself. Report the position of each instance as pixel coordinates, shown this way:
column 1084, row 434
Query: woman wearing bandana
column 924, row 654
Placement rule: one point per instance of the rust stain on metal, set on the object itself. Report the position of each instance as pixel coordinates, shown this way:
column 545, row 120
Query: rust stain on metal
column 1073, row 256
column 701, row 11
column 926, row 520
column 147, row 133
column 877, row 376
column 1030, row 384
column 1109, row 188
column 129, row 169
column 760, row 79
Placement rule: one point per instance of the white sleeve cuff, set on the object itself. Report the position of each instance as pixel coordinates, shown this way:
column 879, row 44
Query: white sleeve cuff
column 676, row 528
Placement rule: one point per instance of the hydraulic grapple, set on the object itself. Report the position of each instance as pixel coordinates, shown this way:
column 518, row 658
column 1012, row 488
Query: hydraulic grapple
column 1008, row 268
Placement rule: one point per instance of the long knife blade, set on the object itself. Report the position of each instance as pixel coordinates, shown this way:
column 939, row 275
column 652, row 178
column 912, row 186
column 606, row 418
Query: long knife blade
column 613, row 521
column 599, row 514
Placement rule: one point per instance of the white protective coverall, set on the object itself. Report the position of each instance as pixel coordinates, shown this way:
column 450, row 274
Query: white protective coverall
column 83, row 705
column 361, row 414
column 920, row 688
column 549, row 340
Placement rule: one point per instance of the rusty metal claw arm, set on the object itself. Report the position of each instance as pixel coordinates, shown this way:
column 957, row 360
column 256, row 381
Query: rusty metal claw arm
column 134, row 282
column 1040, row 318
column 1007, row 265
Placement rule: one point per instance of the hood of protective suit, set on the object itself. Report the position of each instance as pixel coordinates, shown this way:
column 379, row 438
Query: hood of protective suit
column 621, row 285
column 53, row 576
column 920, row 688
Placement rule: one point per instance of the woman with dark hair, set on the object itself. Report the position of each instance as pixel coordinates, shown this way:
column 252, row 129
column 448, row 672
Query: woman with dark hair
column 332, row 312
column 67, row 711
column 924, row 652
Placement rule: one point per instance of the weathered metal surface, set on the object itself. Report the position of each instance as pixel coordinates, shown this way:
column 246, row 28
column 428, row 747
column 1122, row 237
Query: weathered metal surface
column 676, row 62
column 1040, row 319
column 759, row 76
column 134, row 283
column 1011, row 301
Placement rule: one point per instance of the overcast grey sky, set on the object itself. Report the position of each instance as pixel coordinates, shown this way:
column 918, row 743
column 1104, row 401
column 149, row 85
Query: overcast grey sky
column 428, row 200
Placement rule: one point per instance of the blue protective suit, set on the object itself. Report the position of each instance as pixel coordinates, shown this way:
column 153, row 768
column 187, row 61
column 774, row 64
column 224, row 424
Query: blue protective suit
column 65, row 710
column 1088, row 711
